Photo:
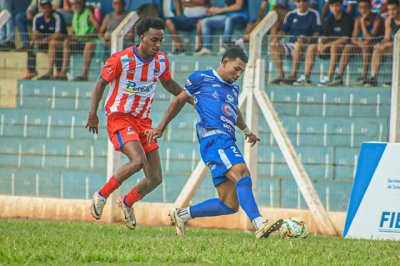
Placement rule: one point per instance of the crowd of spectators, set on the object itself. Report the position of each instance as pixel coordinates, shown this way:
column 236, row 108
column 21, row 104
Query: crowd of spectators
column 343, row 29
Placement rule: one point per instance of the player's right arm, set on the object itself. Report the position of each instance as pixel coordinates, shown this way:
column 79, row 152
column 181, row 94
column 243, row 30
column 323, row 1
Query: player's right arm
column 97, row 94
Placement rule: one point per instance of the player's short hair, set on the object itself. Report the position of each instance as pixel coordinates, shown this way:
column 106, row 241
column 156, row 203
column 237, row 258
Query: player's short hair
column 235, row 52
column 331, row 2
column 393, row 2
column 145, row 24
column 365, row 1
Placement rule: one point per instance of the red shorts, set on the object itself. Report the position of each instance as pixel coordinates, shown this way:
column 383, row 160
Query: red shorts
column 123, row 128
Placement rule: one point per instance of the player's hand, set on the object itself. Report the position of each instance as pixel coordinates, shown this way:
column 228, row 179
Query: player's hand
column 93, row 123
column 154, row 134
column 252, row 139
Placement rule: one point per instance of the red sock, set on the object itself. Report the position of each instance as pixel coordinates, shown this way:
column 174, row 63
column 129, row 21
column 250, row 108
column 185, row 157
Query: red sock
column 132, row 197
column 109, row 187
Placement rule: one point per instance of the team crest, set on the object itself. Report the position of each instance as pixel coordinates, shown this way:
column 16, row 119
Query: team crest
column 156, row 72
column 230, row 98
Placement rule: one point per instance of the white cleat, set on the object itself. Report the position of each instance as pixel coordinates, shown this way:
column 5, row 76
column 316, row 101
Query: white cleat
column 97, row 205
column 129, row 215
column 267, row 228
column 180, row 225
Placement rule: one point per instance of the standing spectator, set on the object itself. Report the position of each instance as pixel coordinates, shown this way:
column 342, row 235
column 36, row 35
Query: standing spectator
column 84, row 27
column 366, row 28
column 188, row 13
column 385, row 47
column 111, row 21
column 337, row 32
column 233, row 15
column 7, row 35
column 302, row 24
column 265, row 5
column 348, row 7
column 24, row 19
column 48, row 31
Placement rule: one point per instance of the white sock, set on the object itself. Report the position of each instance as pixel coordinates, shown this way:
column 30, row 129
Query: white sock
column 257, row 222
column 184, row 214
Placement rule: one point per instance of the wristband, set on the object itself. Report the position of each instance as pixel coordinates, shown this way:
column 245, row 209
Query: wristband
column 246, row 131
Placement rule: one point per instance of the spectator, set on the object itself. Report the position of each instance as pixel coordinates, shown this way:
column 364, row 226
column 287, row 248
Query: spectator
column 252, row 24
column 7, row 36
column 111, row 21
column 385, row 47
column 233, row 15
column 84, row 27
column 337, row 32
column 281, row 8
column 22, row 20
column 303, row 25
column 348, row 7
column 188, row 13
column 66, row 11
column 366, row 28
column 48, row 31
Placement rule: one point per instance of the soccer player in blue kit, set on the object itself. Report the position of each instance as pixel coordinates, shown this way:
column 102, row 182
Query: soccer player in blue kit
column 216, row 100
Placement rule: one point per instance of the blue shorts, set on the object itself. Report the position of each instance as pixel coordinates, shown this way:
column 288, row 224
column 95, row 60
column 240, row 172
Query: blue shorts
column 219, row 152
column 184, row 23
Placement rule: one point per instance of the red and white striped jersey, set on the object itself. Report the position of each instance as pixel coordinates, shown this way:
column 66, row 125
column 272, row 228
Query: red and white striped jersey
column 133, row 81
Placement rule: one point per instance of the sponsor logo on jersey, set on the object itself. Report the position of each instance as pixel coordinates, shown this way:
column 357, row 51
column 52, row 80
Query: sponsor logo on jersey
column 131, row 87
column 127, row 59
column 130, row 131
column 226, row 120
column 215, row 95
column 230, row 98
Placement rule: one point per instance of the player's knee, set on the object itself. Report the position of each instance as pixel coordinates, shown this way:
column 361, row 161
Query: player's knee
column 137, row 164
column 155, row 180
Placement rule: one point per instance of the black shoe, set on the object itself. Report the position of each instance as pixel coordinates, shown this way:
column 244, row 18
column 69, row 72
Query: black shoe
column 277, row 81
column 336, row 82
column 289, row 81
column 387, row 84
column 371, row 82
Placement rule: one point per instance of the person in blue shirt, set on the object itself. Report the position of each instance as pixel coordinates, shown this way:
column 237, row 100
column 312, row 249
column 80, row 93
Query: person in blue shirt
column 215, row 96
column 302, row 24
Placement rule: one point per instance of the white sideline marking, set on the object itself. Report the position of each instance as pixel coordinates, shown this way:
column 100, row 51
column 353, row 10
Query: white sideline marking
column 194, row 137
column 164, row 191
column 326, row 165
column 196, row 65
column 48, row 126
column 43, row 155
column 352, row 135
column 173, row 68
column 298, row 104
column 324, row 104
column 67, row 158
column 355, row 164
column 61, row 186
column 72, row 126
column 37, row 184
column 87, row 187
column 91, row 156
column 298, row 132
column 167, row 161
column 327, row 197
column 25, row 124
column 380, row 131
column 169, row 134
column 53, row 98
column 193, row 159
column 76, row 98
column 325, row 133
column 19, row 155
column 271, row 195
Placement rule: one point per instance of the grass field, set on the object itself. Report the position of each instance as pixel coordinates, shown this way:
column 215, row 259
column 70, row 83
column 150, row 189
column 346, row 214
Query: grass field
column 71, row 243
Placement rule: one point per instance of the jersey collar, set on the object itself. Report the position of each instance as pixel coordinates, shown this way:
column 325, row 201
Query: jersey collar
column 219, row 78
column 134, row 49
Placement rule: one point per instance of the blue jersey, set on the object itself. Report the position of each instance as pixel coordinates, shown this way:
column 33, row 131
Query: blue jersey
column 216, row 101
column 54, row 25
column 297, row 24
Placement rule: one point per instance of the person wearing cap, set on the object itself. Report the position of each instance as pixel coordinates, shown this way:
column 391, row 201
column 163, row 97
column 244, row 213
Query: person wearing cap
column 84, row 33
column 48, row 32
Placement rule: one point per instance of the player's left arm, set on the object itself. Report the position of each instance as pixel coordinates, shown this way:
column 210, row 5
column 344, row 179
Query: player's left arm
column 240, row 123
column 174, row 88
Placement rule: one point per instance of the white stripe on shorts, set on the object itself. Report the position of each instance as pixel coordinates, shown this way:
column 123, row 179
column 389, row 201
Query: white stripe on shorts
column 224, row 158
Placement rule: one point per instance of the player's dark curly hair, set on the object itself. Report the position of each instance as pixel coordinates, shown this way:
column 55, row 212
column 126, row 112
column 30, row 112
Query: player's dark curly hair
column 145, row 24
column 235, row 52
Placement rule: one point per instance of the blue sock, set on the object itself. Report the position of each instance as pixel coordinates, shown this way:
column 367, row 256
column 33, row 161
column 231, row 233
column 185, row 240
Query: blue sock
column 210, row 207
column 246, row 197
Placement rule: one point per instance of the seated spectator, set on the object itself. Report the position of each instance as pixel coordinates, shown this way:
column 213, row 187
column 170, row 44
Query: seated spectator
column 349, row 7
column 85, row 27
column 282, row 7
column 24, row 19
column 48, row 31
column 366, row 28
column 233, row 15
column 188, row 13
column 337, row 30
column 252, row 24
column 7, row 35
column 303, row 25
column 111, row 21
column 385, row 47
column 66, row 11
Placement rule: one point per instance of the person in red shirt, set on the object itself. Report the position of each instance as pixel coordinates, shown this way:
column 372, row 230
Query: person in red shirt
column 132, row 74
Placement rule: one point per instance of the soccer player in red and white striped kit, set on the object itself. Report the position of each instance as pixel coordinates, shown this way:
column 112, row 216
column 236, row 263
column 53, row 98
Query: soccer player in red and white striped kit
column 132, row 74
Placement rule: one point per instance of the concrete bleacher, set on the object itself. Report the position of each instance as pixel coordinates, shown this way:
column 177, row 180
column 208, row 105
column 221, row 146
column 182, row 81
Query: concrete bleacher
column 45, row 149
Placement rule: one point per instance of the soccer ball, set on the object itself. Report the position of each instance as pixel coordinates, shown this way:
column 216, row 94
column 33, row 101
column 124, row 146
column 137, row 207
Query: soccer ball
column 293, row 228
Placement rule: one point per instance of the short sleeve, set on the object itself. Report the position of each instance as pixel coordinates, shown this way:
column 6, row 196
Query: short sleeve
column 111, row 69
column 166, row 75
column 193, row 84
